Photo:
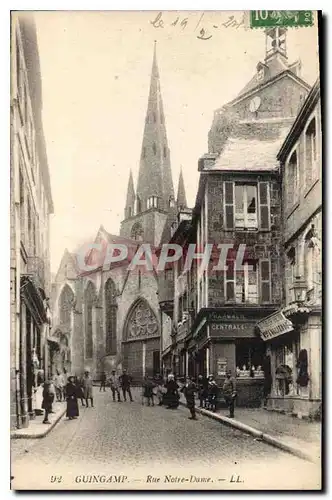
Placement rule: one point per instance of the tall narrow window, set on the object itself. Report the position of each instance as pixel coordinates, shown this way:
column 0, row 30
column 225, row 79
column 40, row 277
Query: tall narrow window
column 245, row 206
column 152, row 202
column 22, row 204
column 161, row 118
column 111, row 317
column 165, row 152
column 66, row 302
column 89, row 304
column 264, row 205
column 292, row 181
column 154, row 117
column 311, row 171
column 137, row 232
column 229, row 204
column 246, row 283
column 143, row 152
column 265, row 281
column 154, row 149
column 230, row 281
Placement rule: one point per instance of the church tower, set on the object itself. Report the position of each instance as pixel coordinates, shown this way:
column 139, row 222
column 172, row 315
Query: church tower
column 146, row 216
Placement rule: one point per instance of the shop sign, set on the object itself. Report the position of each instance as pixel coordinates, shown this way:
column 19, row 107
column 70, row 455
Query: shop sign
column 231, row 330
column 226, row 316
column 221, row 366
column 275, row 325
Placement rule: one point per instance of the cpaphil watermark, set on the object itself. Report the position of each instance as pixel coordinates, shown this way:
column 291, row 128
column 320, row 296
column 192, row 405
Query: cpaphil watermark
column 210, row 257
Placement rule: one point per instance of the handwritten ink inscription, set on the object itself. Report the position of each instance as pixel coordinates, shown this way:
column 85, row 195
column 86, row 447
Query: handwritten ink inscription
column 203, row 31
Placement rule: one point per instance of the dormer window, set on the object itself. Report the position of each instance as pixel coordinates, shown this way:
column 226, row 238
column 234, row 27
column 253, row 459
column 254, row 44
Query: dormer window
column 152, row 202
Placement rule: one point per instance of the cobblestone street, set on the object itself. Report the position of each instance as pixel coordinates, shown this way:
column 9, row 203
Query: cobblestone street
column 130, row 435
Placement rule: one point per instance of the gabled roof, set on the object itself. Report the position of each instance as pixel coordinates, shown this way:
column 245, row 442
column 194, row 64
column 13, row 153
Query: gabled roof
column 253, row 154
column 251, row 88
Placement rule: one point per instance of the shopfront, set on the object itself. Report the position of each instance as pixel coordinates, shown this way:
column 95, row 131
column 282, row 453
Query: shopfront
column 228, row 340
column 292, row 338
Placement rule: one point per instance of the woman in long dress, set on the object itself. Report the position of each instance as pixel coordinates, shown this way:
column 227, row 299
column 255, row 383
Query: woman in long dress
column 172, row 393
column 71, row 396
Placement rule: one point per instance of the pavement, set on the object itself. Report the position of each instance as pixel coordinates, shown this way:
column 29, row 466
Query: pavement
column 36, row 428
column 301, row 438
column 141, row 441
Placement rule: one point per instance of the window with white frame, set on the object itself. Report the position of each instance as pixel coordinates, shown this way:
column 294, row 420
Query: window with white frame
column 245, row 206
column 246, row 289
column 292, row 174
column 152, row 202
column 311, row 170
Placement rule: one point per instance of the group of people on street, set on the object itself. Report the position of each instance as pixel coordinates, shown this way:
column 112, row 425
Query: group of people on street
column 70, row 388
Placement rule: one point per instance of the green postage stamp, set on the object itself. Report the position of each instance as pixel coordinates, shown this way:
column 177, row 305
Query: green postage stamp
column 287, row 18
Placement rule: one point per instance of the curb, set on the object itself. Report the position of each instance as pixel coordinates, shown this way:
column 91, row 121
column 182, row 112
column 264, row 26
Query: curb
column 22, row 435
column 277, row 443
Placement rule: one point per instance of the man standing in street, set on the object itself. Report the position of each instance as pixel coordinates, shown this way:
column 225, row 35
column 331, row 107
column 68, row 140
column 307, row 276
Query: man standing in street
column 115, row 384
column 87, row 388
column 189, row 390
column 103, row 382
column 125, row 381
column 229, row 390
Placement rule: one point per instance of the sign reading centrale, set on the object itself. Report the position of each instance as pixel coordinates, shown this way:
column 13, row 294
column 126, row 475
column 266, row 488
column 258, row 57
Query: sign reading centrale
column 275, row 325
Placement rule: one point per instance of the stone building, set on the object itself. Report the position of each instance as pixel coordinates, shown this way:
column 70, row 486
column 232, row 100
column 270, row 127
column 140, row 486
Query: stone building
column 30, row 206
column 239, row 203
column 293, row 335
column 111, row 317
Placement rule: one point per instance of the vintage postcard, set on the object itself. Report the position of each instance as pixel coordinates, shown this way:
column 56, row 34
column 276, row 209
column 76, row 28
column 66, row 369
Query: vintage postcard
column 166, row 240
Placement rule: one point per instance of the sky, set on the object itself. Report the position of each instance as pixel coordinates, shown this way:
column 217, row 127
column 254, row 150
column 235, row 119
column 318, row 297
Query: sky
column 96, row 70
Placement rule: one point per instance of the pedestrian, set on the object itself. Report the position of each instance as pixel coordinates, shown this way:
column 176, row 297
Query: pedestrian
column 71, row 396
column 52, row 391
column 148, row 391
column 172, row 393
column 64, row 383
column 229, row 391
column 48, row 398
column 103, row 382
column 189, row 390
column 202, row 383
column 158, row 381
column 87, row 388
column 115, row 384
column 79, row 389
column 212, row 393
column 125, row 382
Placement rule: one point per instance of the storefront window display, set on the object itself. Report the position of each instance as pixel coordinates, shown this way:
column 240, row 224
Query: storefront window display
column 249, row 359
column 286, row 368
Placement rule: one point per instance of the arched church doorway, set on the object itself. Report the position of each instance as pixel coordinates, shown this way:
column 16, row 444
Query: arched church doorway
column 141, row 341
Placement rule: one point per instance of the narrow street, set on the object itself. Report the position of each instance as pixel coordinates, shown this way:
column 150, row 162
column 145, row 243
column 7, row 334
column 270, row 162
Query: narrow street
column 142, row 440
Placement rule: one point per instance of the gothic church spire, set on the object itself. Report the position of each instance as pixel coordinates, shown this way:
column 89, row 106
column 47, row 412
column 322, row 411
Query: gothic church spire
column 155, row 184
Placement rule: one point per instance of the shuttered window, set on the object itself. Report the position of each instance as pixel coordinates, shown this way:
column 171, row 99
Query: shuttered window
column 264, row 205
column 229, row 204
column 265, row 275
column 230, row 281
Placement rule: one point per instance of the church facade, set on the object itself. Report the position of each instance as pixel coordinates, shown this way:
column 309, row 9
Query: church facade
column 110, row 318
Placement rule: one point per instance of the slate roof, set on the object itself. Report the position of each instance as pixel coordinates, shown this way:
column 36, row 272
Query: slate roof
column 250, row 154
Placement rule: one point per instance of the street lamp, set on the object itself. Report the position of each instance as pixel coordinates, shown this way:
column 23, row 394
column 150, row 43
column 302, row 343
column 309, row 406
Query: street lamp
column 299, row 289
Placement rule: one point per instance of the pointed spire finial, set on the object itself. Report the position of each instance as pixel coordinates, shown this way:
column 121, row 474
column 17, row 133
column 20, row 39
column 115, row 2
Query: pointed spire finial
column 181, row 198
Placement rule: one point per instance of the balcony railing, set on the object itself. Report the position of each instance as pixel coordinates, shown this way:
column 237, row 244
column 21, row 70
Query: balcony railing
column 36, row 269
